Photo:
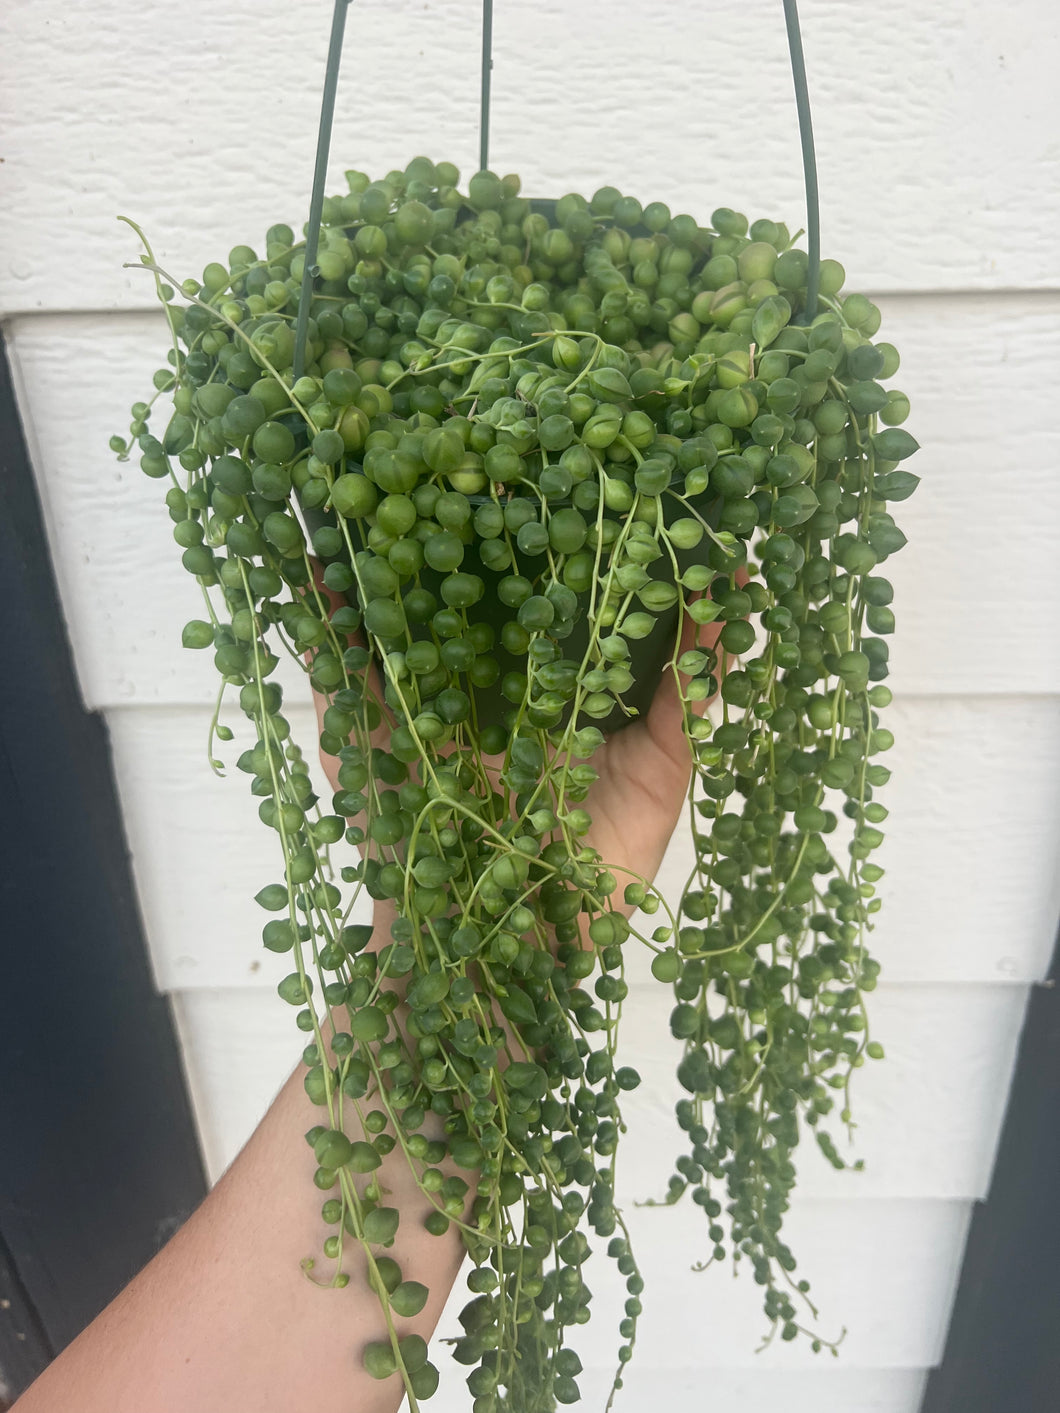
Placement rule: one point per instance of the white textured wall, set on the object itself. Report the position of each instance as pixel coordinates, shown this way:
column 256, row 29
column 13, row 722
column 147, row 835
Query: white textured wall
column 940, row 166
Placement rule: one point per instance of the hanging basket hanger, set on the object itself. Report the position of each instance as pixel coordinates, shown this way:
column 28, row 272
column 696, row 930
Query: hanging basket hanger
column 327, row 115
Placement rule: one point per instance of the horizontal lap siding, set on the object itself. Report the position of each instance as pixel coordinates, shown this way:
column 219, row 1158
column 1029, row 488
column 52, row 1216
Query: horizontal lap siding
column 941, row 193
column 977, row 596
column 927, row 1118
column 970, row 892
column 647, row 1389
column 935, row 130
column 882, row 1258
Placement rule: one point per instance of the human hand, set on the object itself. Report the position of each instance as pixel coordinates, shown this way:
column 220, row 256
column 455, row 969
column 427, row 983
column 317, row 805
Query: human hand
column 643, row 769
column 643, row 773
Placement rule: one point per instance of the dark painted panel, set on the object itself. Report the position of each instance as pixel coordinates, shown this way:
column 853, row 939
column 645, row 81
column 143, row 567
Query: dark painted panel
column 100, row 1160
column 1003, row 1347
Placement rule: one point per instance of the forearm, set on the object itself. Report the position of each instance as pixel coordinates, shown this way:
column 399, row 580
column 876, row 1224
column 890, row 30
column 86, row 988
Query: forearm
column 224, row 1317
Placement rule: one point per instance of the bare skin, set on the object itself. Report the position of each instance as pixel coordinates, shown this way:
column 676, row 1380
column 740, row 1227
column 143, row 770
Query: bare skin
column 223, row 1320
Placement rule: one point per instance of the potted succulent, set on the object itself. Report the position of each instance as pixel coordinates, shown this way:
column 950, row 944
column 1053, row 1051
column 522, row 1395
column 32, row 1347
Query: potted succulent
column 489, row 468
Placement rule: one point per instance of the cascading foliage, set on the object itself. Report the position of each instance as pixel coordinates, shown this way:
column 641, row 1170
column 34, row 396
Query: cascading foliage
column 531, row 442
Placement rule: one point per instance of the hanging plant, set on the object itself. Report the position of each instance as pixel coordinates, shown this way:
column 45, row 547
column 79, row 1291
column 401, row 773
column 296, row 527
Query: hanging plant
column 502, row 466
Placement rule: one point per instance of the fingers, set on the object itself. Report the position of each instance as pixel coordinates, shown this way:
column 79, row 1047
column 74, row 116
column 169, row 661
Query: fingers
column 666, row 716
column 380, row 736
column 320, row 702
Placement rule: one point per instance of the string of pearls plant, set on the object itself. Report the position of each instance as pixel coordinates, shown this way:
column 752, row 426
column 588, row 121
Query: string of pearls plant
column 531, row 442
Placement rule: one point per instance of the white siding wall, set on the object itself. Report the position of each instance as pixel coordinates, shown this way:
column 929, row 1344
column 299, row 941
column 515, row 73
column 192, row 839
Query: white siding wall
column 940, row 167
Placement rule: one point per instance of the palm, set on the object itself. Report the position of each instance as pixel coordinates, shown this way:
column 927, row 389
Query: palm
column 643, row 774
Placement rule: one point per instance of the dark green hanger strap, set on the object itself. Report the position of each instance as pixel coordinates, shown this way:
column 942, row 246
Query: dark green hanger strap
column 487, row 65
column 316, row 204
column 809, row 161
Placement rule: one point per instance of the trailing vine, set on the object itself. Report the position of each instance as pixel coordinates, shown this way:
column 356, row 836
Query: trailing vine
column 536, row 448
